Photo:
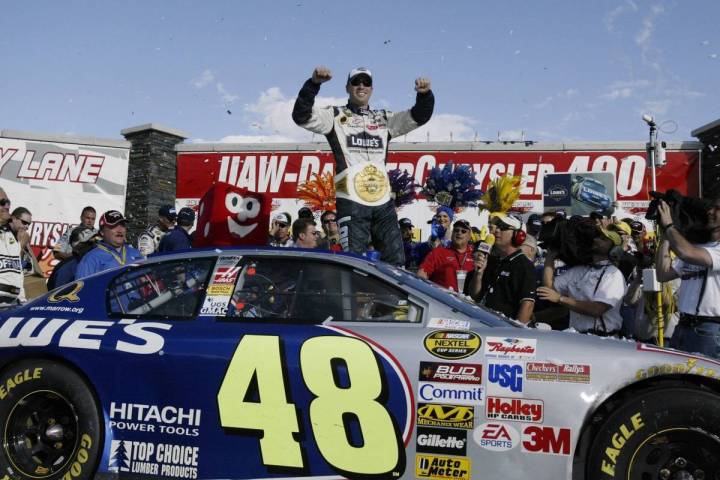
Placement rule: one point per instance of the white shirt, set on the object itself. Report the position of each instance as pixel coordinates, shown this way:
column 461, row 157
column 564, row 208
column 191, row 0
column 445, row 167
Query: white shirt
column 587, row 283
column 692, row 280
column 11, row 273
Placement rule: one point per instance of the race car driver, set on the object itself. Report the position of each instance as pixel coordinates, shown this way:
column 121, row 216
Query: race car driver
column 358, row 137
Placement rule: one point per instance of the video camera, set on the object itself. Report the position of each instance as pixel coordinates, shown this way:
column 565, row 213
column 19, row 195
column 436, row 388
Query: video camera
column 689, row 215
column 572, row 238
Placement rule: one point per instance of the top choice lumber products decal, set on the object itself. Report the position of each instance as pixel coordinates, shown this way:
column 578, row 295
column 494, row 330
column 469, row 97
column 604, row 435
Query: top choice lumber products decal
column 452, row 345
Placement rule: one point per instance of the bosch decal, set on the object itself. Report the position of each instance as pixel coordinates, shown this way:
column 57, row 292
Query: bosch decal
column 496, row 436
column 145, row 458
column 166, row 419
column 444, row 392
column 513, row 348
column 452, row 345
column 441, row 440
column 516, row 409
column 450, row 372
column 446, row 415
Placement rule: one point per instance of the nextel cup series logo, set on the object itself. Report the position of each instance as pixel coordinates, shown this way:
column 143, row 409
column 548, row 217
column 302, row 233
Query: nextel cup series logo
column 451, row 344
column 450, row 372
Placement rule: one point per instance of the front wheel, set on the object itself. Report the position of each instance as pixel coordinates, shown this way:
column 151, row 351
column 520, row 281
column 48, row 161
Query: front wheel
column 662, row 434
column 49, row 422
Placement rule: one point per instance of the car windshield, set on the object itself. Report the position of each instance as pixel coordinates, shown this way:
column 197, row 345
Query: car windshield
column 452, row 299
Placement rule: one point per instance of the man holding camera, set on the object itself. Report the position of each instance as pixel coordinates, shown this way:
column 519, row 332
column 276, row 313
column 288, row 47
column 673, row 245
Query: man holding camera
column 593, row 293
column 698, row 267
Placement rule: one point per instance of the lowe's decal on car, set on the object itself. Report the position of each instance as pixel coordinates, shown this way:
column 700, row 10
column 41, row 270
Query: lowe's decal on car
column 446, row 415
column 452, row 344
column 138, row 338
column 470, row 373
column 147, row 458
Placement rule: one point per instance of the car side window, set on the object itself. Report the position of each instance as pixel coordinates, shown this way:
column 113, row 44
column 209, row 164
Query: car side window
column 171, row 289
column 312, row 291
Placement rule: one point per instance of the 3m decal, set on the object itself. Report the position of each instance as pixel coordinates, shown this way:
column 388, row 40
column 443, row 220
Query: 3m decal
column 445, row 415
column 145, row 458
column 516, row 409
column 444, row 441
column 165, row 419
column 505, row 378
column 439, row 467
column 618, row 441
column 542, row 439
column 450, row 372
column 18, row 378
column 512, row 348
column 258, row 360
column 496, row 436
column 445, row 392
column 452, row 344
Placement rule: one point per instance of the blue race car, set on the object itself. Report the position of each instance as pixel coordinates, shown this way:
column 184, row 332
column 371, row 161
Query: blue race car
column 282, row 363
column 592, row 192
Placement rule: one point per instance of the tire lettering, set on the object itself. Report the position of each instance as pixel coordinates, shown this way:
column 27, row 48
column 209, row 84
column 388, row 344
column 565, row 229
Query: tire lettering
column 618, row 440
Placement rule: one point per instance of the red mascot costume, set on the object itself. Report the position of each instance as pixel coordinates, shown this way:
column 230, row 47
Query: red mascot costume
column 228, row 216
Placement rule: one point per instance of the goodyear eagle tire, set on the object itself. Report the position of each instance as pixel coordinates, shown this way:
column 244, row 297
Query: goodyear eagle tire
column 49, row 422
column 665, row 433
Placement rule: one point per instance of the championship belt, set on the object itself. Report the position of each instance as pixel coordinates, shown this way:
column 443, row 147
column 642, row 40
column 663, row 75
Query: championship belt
column 366, row 183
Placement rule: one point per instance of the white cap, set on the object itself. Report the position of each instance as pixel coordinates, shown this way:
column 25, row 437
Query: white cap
column 359, row 71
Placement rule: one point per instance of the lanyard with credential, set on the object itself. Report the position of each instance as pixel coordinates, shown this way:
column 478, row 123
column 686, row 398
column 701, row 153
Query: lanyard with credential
column 120, row 259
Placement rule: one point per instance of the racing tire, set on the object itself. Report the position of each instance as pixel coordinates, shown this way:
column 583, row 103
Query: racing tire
column 664, row 433
column 49, row 422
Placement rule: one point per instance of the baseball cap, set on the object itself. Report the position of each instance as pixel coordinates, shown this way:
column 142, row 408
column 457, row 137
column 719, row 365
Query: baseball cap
column 305, row 212
column 168, row 211
column 80, row 235
column 509, row 220
column 405, row 223
column 462, row 223
column 359, row 71
column 613, row 236
column 186, row 214
column 282, row 217
column 534, row 224
column 112, row 218
column 621, row 227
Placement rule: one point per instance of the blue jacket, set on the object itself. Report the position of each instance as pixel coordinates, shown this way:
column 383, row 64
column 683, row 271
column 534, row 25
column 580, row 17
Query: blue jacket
column 105, row 257
column 176, row 239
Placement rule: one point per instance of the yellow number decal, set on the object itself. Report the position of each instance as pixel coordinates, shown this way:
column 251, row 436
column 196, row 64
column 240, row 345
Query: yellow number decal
column 259, row 355
column 379, row 452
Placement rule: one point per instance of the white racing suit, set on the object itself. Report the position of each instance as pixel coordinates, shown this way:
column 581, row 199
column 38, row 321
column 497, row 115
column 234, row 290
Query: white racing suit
column 359, row 140
column 11, row 272
column 149, row 240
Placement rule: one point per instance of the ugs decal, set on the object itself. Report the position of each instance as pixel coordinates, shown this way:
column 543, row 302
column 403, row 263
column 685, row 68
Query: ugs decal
column 452, row 344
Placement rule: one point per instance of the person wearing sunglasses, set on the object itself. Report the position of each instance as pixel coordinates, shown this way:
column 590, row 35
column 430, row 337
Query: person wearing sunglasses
column 358, row 137
column 12, row 291
column 280, row 231
column 331, row 240
column 448, row 266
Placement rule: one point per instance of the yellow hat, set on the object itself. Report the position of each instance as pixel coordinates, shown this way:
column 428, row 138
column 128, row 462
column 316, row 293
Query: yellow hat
column 613, row 236
column 621, row 227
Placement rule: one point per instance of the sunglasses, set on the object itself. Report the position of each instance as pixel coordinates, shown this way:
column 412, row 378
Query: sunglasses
column 357, row 81
column 282, row 225
column 24, row 222
column 4, row 201
column 460, row 230
column 330, row 221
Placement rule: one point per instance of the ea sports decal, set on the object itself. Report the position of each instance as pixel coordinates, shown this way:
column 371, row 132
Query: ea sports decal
column 496, row 436
column 450, row 372
column 452, row 344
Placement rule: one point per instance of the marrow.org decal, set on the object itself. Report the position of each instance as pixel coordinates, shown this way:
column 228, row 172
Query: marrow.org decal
column 452, row 344
column 146, row 458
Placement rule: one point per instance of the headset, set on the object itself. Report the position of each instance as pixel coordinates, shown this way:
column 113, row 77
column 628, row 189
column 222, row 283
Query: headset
column 518, row 237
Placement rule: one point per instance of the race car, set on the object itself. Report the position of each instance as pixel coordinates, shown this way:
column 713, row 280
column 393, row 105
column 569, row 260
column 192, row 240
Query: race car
column 284, row 363
column 591, row 191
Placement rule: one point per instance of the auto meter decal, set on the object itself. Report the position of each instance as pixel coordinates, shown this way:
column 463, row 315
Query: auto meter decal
column 452, row 344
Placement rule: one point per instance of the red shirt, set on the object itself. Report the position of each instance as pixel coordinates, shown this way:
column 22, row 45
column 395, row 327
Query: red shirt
column 442, row 264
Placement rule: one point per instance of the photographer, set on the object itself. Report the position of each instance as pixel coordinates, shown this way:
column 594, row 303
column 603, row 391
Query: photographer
column 698, row 267
column 593, row 293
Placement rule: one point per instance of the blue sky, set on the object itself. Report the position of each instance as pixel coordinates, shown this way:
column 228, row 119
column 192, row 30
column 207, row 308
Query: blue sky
column 229, row 71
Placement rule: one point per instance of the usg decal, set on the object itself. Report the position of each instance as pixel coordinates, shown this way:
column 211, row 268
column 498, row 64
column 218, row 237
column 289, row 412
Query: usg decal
column 145, row 458
column 445, row 392
column 452, row 344
column 496, row 436
column 513, row 348
column 450, row 372
column 446, row 415
column 505, row 378
column 441, row 440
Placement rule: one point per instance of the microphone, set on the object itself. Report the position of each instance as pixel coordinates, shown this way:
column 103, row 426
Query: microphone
column 490, row 239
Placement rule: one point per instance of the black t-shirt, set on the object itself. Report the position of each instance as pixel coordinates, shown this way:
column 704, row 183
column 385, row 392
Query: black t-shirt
column 506, row 282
